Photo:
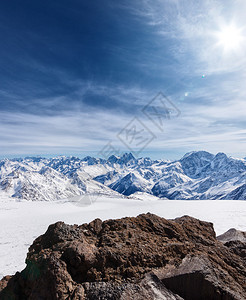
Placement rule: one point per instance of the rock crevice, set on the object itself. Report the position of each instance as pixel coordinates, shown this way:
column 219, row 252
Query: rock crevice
column 144, row 257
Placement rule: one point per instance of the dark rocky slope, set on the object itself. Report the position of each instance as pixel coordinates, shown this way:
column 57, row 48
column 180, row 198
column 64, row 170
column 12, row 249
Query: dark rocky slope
column 146, row 257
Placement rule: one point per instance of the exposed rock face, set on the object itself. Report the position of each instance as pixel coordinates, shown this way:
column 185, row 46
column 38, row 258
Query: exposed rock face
column 235, row 240
column 238, row 248
column 232, row 235
column 143, row 258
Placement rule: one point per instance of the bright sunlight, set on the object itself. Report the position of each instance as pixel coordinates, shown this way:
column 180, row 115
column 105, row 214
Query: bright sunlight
column 230, row 38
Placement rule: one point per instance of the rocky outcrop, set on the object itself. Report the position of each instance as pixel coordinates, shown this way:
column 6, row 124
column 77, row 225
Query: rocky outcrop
column 235, row 240
column 146, row 257
column 232, row 235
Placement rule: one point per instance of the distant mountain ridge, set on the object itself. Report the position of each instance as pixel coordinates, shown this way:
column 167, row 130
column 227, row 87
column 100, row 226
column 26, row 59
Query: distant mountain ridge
column 197, row 175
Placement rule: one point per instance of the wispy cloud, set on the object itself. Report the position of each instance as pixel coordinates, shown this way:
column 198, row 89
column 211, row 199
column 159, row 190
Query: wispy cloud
column 59, row 109
column 191, row 26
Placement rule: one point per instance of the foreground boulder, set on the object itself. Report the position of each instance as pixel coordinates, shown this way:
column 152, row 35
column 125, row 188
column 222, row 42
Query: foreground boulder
column 143, row 258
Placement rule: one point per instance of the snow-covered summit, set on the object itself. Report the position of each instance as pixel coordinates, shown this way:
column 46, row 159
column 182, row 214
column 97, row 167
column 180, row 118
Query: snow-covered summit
column 197, row 175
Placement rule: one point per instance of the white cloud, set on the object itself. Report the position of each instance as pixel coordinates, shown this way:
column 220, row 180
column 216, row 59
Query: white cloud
column 212, row 113
column 193, row 24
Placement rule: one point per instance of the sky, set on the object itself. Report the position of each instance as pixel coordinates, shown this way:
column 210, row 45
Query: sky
column 158, row 78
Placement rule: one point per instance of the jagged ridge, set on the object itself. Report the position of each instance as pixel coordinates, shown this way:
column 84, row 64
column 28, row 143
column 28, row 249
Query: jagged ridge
column 198, row 175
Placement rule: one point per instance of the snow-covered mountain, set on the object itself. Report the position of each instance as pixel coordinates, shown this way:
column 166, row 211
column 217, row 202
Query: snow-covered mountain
column 130, row 184
column 198, row 175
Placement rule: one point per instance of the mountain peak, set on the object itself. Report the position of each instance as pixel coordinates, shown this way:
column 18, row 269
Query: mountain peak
column 128, row 156
column 90, row 160
column 198, row 154
column 221, row 155
column 113, row 159
column 198, row 175
column 122, row 160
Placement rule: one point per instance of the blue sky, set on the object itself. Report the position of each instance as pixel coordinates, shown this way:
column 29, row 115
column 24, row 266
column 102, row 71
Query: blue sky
column 74, row 73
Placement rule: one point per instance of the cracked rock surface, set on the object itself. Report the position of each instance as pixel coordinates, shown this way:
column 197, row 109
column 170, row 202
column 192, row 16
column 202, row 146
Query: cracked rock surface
column 144, row 257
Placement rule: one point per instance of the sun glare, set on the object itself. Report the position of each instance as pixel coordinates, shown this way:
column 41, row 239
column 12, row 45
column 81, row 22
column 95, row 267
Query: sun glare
column 230, row 38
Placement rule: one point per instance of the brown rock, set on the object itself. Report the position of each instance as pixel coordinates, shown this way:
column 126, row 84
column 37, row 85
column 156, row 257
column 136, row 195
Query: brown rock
column 146, row 257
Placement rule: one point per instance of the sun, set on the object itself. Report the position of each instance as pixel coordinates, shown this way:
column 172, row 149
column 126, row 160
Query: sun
column 230, row 38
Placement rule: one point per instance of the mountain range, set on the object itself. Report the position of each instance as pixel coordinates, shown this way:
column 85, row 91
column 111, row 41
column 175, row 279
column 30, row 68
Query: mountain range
column 197, row 175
